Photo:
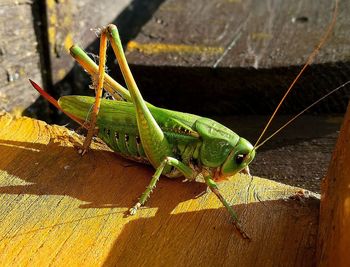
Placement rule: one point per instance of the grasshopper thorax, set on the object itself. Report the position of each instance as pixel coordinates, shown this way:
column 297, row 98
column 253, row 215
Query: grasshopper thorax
column 224, row 152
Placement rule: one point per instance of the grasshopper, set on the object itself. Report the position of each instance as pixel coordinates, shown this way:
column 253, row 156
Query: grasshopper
column 176, row 144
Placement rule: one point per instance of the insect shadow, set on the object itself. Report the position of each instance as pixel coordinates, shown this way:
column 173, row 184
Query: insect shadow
column 100, row 179
column 205, row 238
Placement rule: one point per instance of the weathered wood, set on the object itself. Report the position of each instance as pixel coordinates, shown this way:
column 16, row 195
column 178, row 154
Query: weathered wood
column 58, row 208
column 334, row 230
column 177, row 49
column 238, row 57
column 19, row 58
column 263, row 34
column 73, row 21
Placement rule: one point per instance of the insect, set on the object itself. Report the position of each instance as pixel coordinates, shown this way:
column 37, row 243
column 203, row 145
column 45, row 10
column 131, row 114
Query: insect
column 175, row 143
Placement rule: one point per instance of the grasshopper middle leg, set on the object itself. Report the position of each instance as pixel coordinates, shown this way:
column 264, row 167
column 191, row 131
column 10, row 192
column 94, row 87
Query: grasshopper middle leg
column 99, row 90
column 186, row 171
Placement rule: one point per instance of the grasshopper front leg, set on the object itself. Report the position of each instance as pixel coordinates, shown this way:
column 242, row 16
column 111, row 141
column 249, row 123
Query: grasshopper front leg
column 214, row 188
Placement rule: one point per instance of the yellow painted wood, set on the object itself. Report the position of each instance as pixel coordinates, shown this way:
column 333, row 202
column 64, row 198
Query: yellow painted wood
column 61, row 209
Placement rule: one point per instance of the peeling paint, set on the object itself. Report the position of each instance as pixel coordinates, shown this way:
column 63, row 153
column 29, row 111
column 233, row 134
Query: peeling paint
column 158, row 48
column 60, row 20
column 256, row 36
column 50, row 4
column 52, row 34
column 68, row 41
column 61, row 73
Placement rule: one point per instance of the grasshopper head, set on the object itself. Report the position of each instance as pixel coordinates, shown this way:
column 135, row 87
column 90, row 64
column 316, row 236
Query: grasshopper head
column 239, row 158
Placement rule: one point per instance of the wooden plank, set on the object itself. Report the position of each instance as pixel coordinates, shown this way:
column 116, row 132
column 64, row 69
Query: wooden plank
column 200, row 33
column 19, row 58
column 59, row 208
column 72, row 21
column 334, row 230
column 238, row 57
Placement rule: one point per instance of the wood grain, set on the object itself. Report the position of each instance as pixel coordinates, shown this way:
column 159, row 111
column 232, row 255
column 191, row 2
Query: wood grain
column 252, row 33
column 19, row 58
column 70, row 22
column 334, row 231
column 239, row 57
column 59, row 208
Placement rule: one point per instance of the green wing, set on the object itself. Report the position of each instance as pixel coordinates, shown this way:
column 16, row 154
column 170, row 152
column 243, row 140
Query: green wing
column 122, row 115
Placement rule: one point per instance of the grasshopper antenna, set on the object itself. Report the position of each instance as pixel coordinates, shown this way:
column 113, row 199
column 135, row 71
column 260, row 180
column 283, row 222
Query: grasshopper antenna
column 301, row 112
column 308, row 62
column 55, row 103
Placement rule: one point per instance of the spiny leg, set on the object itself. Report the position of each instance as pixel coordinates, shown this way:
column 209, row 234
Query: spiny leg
column 214, row 188
column 185, row 170
column 99, row 90
column 113, row 87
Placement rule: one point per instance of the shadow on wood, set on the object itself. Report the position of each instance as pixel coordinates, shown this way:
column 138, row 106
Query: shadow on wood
column 283, row 233
column 59, row 208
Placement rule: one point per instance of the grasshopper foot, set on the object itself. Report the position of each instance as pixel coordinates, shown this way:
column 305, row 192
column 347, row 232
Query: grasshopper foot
column 240, row 229
column 134, row 209
column 82, row 151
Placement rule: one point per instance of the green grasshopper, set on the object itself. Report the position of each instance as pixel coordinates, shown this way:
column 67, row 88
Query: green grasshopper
column 176, row 144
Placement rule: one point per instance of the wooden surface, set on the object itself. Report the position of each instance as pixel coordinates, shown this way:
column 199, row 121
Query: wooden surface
column 58, row 208
column 34, row 40
column 239, row 57
column 70, row 22
column 19, row 58
column 252, row 33
column 247, row 52
column 79, row 22
column 334, row 231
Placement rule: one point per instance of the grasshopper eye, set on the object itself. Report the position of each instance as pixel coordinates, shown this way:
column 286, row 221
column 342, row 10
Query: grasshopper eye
column 240, row 158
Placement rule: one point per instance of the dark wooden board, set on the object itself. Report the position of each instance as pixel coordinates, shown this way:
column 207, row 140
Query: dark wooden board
column 253, row 33
column 79, row 22
column 201, row 47
column 239, row 57
column 19, row 59
column 70, row 22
